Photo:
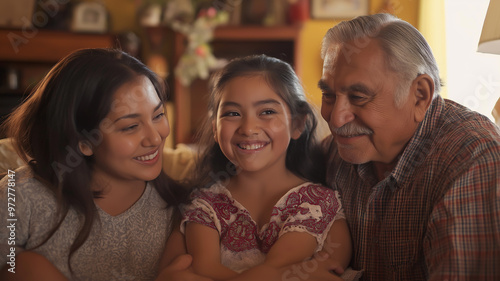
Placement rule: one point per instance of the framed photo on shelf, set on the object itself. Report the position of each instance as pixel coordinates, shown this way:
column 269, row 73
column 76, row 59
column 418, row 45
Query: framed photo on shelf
column 90, row 17
column 338, row 9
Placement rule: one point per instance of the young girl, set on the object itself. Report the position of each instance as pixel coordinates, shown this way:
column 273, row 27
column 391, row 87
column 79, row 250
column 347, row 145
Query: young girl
column 93, row 202
column 260, row 201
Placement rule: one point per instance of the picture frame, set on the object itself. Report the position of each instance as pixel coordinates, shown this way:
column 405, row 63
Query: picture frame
column 338, row 9
column 91, row 17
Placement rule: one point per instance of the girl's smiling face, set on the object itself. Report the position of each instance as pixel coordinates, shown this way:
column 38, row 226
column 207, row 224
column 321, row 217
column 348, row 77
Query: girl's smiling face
column 133, row 135
column 253, row 125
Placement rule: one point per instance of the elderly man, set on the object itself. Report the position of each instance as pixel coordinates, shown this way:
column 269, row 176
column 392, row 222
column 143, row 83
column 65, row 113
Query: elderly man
column 419, row 175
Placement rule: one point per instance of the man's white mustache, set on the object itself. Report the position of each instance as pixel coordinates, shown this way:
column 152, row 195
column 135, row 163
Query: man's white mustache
column 351, row 129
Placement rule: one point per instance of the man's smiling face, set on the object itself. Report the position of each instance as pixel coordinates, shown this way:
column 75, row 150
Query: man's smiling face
column 359, row 105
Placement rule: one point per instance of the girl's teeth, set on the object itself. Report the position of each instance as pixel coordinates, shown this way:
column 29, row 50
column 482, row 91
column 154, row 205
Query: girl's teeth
column 251, row 146
column 147, row 157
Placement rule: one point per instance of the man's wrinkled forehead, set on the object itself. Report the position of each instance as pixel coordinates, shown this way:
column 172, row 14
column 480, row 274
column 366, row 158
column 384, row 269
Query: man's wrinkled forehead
column 330, row 58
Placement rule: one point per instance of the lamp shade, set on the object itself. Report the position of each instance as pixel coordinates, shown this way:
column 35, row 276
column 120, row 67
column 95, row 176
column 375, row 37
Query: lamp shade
column 490, row 36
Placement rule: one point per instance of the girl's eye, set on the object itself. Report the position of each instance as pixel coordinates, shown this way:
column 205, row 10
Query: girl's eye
column 230, row 114
column 268, row 111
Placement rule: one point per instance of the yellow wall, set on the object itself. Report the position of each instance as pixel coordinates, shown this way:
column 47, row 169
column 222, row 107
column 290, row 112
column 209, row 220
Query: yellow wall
column 314, row 30
column 432, row 26
column 122, row 14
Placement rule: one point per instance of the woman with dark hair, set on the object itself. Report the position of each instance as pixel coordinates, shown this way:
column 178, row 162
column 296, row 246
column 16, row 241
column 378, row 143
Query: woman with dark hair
column 93, row 200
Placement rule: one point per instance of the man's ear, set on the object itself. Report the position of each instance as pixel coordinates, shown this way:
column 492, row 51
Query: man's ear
column 298, row 127
column 85, row 148
column 423, row 91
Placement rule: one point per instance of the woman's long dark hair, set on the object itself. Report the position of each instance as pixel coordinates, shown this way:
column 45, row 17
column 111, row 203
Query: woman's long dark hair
column 304, row 157
column 67, row 107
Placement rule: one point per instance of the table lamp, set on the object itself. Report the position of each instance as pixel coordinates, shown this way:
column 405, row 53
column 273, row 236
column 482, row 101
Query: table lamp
column 489, row 41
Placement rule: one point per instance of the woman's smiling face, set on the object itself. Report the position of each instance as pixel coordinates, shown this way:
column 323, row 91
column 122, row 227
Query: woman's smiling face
column 134, row 133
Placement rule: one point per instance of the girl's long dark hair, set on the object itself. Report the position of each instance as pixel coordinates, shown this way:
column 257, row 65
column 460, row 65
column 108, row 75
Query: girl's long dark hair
column 67, row 107
column 304, row 156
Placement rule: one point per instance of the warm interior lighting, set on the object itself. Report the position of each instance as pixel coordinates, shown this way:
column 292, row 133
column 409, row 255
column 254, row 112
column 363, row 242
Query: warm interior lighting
column 490, row 36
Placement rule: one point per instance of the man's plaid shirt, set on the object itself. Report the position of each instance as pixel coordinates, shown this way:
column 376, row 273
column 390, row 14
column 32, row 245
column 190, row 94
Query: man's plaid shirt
column 437, row 215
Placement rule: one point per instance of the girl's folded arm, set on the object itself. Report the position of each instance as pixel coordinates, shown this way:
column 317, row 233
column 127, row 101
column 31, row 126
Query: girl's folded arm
column 203, row 243
column 338, row 244
column 290, row 248
column 289, row 258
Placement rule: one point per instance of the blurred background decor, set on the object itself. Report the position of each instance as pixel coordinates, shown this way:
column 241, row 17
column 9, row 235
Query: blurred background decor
column 16, row 14
column 196, row 20
column 198, row 59
column 90, row 17
column 338, row 9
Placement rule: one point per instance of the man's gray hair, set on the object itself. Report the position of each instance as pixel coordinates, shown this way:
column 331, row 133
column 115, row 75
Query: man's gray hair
column 407, row 52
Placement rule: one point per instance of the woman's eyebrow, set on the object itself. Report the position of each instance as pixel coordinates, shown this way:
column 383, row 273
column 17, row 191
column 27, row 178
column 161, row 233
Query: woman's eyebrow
column 128, row 116
column 135, row 115
column 160, row 104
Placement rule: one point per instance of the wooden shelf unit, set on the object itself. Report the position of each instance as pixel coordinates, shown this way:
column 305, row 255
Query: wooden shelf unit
column 229, row 42
column 31, row 54
column 46, row 45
